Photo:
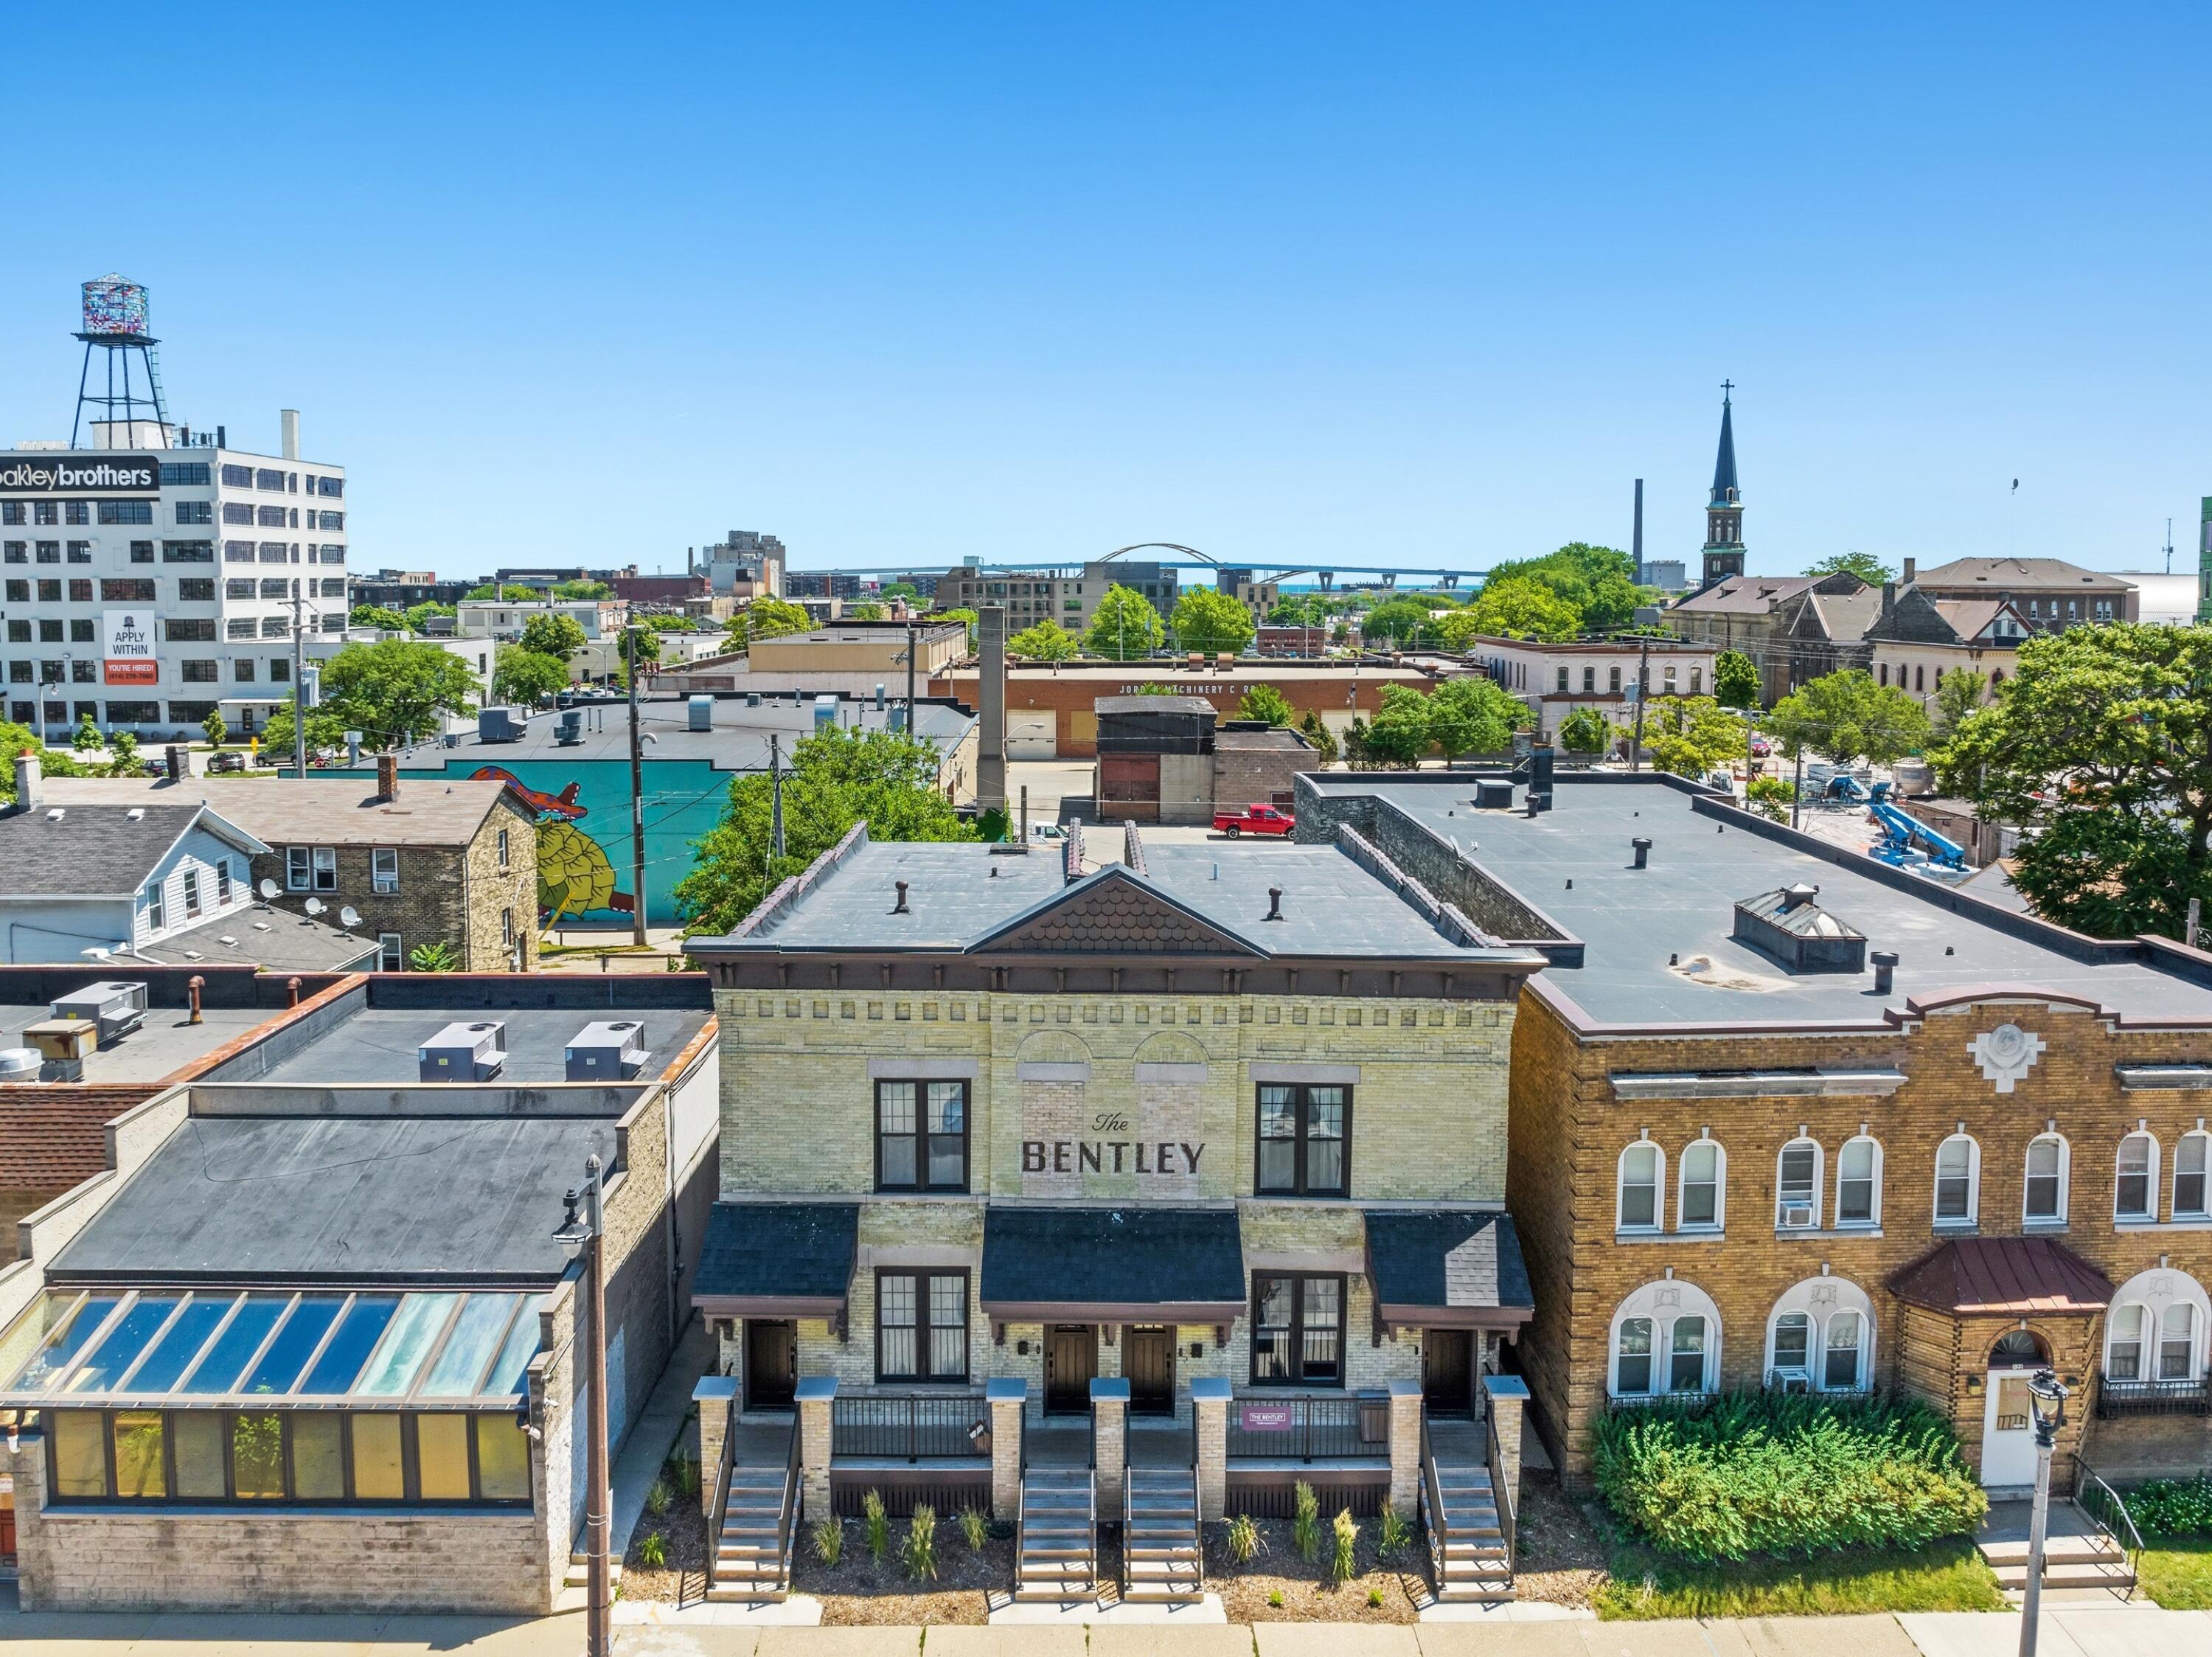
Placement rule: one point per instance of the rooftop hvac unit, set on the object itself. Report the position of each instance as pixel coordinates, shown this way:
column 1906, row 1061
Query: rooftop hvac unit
column 499, row 725
column 611, row 1050
column 568, row 728
column 464, row 1052
column 826, row 711
column 117, row 1008
column 701, row 709
column 1493, row 796
column 20, row 1063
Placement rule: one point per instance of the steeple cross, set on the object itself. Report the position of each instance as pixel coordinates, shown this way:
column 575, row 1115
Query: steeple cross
column 1727, row 386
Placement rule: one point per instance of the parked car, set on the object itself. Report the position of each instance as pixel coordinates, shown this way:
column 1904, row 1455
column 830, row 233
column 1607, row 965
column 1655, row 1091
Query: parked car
column 1046, row 832
column 226, row 759
column 1257, row 820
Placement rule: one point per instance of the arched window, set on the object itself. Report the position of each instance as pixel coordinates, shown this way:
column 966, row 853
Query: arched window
column 1789, row 1348
column 1885, row 674
column 1820, row 1335
column 2123, row 1343
column 1841, row 1371
column 2155, row 1331
column 1703, row 1200
column 1858, row 1182
column 2189, row 1167
column 1641, row 1166
column 1797, row 1185
column 2135, row 1180
column 2046, row 1200
column 1957, row 1181
column 2177, row 1341
column 1666, row 1337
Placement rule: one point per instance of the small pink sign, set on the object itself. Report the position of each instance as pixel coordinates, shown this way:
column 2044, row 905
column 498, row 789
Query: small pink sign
column 1267, row 1417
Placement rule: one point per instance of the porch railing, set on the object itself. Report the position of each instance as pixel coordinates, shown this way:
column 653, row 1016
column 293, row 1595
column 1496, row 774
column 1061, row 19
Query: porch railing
column 2108, row 1511
column 1309, row 1428
column 2153, row 1398
column 909, row 1427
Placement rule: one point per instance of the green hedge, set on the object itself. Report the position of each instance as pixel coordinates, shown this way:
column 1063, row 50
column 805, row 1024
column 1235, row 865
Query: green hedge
column 2173, row 1507
column 1756, row 1473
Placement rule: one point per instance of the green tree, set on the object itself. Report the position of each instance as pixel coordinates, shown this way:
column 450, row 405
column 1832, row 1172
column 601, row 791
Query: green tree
column 969, row 617
column 866, row 612
column 1266, row 702
column 670, row 624
column 396, row 690
column 122, row 752
column 376, row 615
column 521, row 675
column 837, row 778
column 549, row 633
column 213, row 727
column 438, row 956
column 15, row 741
column 1848, row 717
column 1867, row 567
column 1599, row 583
column 325, row 730
column 901, row 589
column 511, row 593
column 1297, row 610
column 773, row 618
column 582, row 589
column 1048, row 641
column 1319, row 737
column 1690, row 736
column 87, row 737
column 1399, row 734
column 1125, row 627
column 2100, row 745
column 1958, row 692
column 1518, row 607
column 1735, row 680
column 1404, row 621
column 1586, row 731
column 1771, row 797
column 1474, row 715
column 1212, row 621
column 419, row 615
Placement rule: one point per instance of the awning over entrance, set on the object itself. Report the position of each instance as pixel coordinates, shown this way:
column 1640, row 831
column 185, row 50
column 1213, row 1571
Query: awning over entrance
column 1447, row 1269
column 2011, row 1276
column 1136, row 1264
column 777, row 1259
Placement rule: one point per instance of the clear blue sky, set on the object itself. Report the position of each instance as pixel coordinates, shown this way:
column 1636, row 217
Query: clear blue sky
column 1406, row 285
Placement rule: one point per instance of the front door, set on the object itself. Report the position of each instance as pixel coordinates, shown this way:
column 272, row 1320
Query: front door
column 771, row 1362
column 1071, row 1359
column 1447, row 1370
column 2008, row 1431
column 1148, row 1360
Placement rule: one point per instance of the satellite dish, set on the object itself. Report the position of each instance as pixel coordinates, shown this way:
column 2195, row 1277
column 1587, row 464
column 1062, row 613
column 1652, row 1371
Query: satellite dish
column 349, row 917
column 268, row 890
column 314, row 905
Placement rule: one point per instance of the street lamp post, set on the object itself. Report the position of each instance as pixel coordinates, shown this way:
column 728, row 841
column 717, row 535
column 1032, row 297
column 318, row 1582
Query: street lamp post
column 584, row 1236
column 2046, row 1403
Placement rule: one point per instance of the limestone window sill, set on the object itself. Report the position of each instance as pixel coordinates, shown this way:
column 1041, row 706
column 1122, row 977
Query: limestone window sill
column 1785, row 1234
column 1691, row 1234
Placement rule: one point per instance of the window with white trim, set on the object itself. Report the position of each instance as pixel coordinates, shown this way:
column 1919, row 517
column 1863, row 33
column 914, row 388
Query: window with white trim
column 2188, row 1167
column 1858, row 1182
column 1686, row 1352
column 1820, row 1337
column 390, row 957
column 311, row 869
column 1641, row 1166
column 1797, row 1186
column 1841, row 1371
column 1631, row 1358
column 1702, row 1202
column 384, row 869
column 2044, row 1202
column 1665, row 1339
column 1957, row 1180
column 2177, row 1341
column 156, row 908
column 2123, row 1343
column 2134, row 1179
column 1789, row 1347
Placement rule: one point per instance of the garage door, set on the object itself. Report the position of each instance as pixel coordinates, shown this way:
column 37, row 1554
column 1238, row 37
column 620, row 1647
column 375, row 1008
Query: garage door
column 1030, row 736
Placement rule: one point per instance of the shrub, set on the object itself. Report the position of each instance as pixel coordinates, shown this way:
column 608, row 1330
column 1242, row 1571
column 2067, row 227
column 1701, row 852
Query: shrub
column 687, row 1478
column 920, row 1550
column 1305, row 1522
column 1771, row 795
column 876, row 1525
column 1750, row 1473
column 974, row 1528
column 652, row 1551
column 123, row 752
column 657, row 1497
column 1396, row 1534
column 1340, row 1568
column 1241, row 1536
column 1375, row 1598
column 827, row 1539
column 216, row 731
column 1275, row 1597
column 2173, row 1507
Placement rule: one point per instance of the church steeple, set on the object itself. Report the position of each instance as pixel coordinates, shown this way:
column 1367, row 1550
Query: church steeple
column 1724, row 553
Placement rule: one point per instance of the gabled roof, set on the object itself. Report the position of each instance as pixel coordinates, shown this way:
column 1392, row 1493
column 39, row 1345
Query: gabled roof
column 99, row 851
column 323, row 811
column 1841, row 618
column 1746, row 595
column 1111, row 912
column 2011, row 574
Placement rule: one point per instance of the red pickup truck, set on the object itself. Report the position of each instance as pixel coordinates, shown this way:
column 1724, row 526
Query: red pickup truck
column 1256, row 820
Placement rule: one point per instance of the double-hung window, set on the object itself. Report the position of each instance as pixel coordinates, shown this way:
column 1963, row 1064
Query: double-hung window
column 191, row 894
column 384, row 869
column 1640, row 1167
column 2046, row 1180
column 1699, row 1206
column 1797, row 1185
column 921, row 1135
column 921, row 1325
column 1297, row 1331
column 2136, row 1177
column 2189, row 1161
column 1955, row 1174
column 311, row 869
column 157, row 908
column 1304, row 1134
column 1858, row 1183
column 1631, row 1372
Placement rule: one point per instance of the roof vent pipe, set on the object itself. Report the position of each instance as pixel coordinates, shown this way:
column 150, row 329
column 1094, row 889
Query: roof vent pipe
column 1275, row 903
column 900, row 908
column 1642, row 848
column 1885, row 967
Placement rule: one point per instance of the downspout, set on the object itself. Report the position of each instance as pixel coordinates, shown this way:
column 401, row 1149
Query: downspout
column 675, row 1229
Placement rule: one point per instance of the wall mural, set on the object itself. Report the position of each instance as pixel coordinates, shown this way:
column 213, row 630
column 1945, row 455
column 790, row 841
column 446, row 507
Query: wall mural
column 573, row 875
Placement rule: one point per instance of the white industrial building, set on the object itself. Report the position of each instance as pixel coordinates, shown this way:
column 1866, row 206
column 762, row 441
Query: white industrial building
column 147, row 583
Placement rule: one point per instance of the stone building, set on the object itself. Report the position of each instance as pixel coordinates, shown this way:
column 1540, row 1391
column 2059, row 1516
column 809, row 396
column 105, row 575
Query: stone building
column 1782, row 1116
column 1919, row 636
column 1212, row 1136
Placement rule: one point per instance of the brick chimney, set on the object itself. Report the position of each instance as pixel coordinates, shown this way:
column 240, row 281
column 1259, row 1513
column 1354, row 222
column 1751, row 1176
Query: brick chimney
column 388, row 776
column 30, row 794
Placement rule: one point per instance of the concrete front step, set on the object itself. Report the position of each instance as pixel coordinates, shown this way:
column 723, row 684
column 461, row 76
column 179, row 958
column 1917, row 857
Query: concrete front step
column 2069, row 1549
column 2086, row 1574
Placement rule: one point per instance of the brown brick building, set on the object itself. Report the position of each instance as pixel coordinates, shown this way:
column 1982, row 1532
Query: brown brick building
column 421, row 861
column 1782, row 1116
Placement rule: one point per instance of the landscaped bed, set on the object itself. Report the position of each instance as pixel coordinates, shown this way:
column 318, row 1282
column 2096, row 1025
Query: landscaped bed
column 2175, row 1517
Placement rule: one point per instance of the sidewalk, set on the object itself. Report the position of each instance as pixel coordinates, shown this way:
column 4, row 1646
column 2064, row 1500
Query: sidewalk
column 2071, row 1631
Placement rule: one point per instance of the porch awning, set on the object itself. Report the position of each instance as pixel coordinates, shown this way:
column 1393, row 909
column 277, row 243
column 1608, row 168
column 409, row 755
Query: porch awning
column 1136, row 1264
column 2011, row 1276
column 777, row 1259
column 1446, row 1268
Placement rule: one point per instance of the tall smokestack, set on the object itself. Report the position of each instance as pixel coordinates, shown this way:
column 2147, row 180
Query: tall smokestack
column 289, row 420
column 1639, row 542
column 991, row 708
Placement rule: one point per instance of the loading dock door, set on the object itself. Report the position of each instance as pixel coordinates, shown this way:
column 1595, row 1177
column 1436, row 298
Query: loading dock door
column 1031, row 736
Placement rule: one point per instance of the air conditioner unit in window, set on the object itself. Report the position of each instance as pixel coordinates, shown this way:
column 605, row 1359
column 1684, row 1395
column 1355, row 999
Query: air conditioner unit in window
column 1788, row 1380
column 1797, row 1217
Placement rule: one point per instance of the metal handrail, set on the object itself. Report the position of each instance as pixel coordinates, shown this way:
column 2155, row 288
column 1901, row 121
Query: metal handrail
column 718, row 1508
column 787, row 1524
column 2101, row 1504
column 1500, row 1495
column 1435, row 1494
column 1197, row 1526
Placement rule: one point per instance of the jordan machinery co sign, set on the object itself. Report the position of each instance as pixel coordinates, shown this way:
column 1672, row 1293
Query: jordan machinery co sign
column 127, row 648
column 79, row 474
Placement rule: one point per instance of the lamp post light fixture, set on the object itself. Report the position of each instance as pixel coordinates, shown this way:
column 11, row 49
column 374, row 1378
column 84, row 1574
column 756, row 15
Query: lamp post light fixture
column 583, row 1237
column 2046, row 1405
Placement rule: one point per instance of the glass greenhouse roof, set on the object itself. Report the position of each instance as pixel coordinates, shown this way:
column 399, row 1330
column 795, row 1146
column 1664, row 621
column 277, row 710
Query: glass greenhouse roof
column 203, row 1348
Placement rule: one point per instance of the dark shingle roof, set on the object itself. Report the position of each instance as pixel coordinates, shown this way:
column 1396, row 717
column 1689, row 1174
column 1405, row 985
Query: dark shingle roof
column 95, row 852
column 1449, row 1260
column 1188, row 1262
column 776, row 1252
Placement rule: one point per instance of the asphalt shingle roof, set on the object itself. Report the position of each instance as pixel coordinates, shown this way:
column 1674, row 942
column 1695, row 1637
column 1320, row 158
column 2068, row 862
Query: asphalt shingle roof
column 95, row 850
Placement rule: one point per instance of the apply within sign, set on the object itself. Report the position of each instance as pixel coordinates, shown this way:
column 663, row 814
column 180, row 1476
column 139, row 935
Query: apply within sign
column 127, row 648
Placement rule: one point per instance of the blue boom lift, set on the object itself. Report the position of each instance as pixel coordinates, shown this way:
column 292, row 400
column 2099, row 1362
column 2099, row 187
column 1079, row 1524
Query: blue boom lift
column 1906, row 840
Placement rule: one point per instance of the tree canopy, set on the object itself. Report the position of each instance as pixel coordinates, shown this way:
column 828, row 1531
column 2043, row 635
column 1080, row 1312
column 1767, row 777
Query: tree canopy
column 1690, row 736
column 521, row 675
column 511, row 593
column 396, row 690
column 838, row 777
column 1585, row 731
column 1125, row 627
column 1047, row 641
column 1462, row 716
column 1211, row 621
column 1517, row 608
column 772, row 617
column 2100, row 745
column 1405, row 621
column 1848, row 717
column 1958, row 692
column 419, row 614
column 582, row 589
column 867, row 612
column 901, row 589
column 1867, row 567
column 326, row 731
column 1266, row 702
column 1735, row 680
column 549, row 633
column 376, row 615
column 1597, row 583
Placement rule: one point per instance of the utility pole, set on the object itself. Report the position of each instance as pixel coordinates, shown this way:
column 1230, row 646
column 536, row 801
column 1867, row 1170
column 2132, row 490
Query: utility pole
column 1642, row 689
column 909, row 674
column 299, row 688
column 775, row 796
column 636, row 798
